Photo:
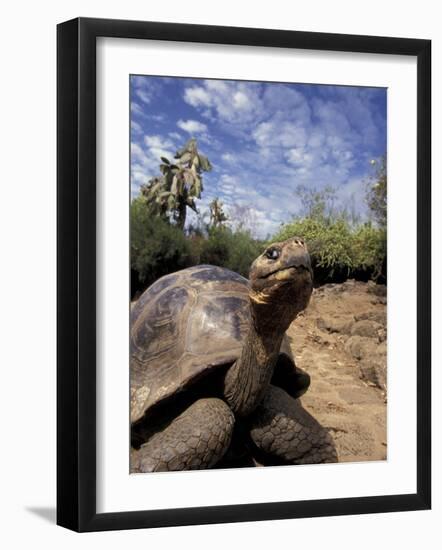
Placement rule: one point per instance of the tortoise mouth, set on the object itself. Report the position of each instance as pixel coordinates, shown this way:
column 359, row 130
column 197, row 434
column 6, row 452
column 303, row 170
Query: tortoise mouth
column 287, row 273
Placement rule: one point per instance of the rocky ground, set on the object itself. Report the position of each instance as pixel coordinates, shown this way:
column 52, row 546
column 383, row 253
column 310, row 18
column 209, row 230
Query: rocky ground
column 340, row 340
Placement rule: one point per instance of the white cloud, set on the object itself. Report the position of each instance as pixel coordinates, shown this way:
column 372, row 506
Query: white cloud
column 136, row 109
column 241, row 101
column 197, row 96
column 192, row 126
column 351, row 194
column 158, row 142
column 176, row 136
column 228, row 157
column 298, row 156
column 259, row 203
column 229, row 184
column 280, row 134
column 157, row 118
column 144, row 87
column 219, row 86
column 146, row 158
column 135, row 127
column 144, row 96
column 137, row 153
column 231, row 102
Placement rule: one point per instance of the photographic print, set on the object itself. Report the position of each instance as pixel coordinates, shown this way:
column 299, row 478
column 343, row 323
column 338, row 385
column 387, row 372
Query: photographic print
column 222, row 253
column 258, row 254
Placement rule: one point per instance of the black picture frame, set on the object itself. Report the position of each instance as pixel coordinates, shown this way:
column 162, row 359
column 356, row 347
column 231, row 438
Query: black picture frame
column 76, row 274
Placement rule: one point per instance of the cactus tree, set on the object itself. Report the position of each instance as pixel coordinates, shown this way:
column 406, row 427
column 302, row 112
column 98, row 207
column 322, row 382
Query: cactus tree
column 217, row 216
column 179, row 185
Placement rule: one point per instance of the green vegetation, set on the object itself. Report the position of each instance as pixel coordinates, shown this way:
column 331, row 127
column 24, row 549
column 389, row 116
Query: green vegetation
column 339, row 250
column 157, row 247
column 340, row 245
column 235, row 250
column 217, row 215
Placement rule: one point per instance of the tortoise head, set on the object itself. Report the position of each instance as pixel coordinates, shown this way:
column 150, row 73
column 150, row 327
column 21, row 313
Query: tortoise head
column 282, row 277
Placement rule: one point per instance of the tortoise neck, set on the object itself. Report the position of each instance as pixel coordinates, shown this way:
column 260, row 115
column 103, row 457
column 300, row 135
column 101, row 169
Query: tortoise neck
column 249, row 377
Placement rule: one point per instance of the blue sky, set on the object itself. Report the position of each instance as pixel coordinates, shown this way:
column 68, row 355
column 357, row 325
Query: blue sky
column 263, row 140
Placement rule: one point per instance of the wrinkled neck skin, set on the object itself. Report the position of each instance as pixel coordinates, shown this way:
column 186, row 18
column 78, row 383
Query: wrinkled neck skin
column 249, row 377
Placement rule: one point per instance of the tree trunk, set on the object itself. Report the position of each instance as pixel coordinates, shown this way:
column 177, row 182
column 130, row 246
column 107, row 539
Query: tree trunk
column 181, row 215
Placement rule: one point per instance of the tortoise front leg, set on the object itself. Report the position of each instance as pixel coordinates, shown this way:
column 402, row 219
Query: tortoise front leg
column 281, row 427
column 195, row 440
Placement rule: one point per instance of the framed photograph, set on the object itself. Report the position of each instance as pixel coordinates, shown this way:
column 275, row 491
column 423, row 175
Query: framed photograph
column 243, row 274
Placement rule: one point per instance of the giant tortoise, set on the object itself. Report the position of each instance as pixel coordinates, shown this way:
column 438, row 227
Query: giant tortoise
column 210, row 359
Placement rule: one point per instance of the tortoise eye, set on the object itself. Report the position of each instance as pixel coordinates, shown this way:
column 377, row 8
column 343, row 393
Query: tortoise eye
column 272, row 253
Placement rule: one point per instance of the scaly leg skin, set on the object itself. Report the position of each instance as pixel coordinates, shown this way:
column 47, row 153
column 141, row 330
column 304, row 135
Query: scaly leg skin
column 197, row 439
column 281, row 427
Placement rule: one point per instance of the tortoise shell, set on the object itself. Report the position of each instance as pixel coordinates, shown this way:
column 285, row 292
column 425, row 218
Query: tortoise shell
column 184, row 326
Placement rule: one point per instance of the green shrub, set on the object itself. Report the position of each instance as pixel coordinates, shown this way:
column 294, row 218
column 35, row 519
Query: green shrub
column 235, row 250
column 157, row 247
column 329, row 243
column 339, row 250
column 370, row 249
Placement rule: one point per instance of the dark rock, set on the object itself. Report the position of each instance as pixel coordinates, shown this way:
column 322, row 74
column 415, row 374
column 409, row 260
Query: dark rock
column 371, row 357
column 377, row 290
column 375, row 372
column 378, row 316
column 334, row 324
column 360, row 347
column 379, row 301
column 320, row 340
column 368, row 329
column 349, row 284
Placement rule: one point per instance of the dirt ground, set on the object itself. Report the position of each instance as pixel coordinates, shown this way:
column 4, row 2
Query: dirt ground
column 340, row 340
